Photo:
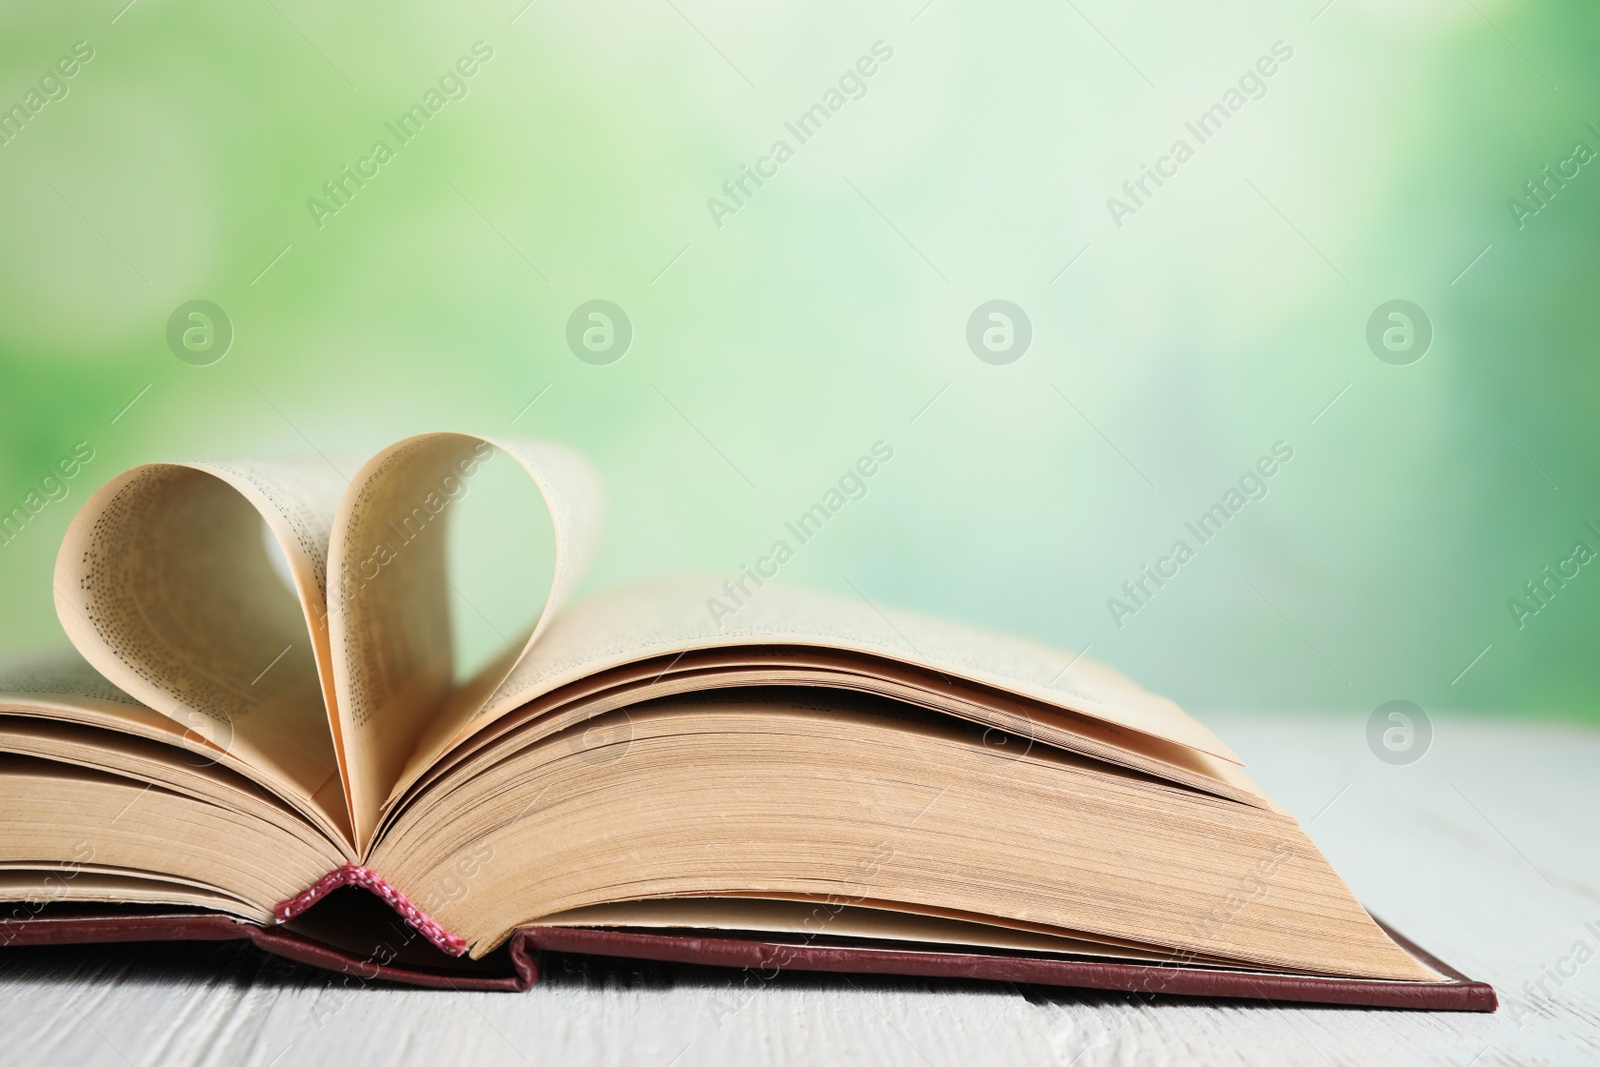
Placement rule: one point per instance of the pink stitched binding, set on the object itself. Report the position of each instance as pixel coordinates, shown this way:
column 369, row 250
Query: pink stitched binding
column 350, row 874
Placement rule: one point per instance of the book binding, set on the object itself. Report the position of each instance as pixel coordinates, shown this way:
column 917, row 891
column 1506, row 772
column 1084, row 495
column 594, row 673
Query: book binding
column 350, row 874
column 515, row 966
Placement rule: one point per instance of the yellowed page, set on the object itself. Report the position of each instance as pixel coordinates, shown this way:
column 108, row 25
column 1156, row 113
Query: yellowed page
column 58, row 691
column 62, row 677
column 677, row 615
column 389, row 610
column 826, row 918
column 58, row 813
column 28, row 890
column 711, row 796
column 165, row 585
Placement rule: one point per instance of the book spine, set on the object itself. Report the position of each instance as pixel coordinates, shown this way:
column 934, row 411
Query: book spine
column 350, row 874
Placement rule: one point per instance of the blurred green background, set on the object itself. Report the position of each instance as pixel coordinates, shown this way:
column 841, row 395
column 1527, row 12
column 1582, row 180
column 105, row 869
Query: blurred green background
column 1227, row 313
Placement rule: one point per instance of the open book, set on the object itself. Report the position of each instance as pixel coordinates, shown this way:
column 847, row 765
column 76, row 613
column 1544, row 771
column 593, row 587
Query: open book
column 264, row 732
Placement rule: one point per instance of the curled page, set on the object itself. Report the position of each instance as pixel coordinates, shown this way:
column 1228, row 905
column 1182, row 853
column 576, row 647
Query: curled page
column 389, row 619
column 679, row 615
column 165, row 584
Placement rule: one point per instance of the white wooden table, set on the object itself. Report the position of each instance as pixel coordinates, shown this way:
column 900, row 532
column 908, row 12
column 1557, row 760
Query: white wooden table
column 1484, row 852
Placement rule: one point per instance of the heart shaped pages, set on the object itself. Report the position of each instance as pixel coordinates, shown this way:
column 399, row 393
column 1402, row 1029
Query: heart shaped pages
column 327, row 683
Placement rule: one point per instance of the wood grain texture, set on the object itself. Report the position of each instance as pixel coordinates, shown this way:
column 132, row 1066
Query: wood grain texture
column 1484, row 852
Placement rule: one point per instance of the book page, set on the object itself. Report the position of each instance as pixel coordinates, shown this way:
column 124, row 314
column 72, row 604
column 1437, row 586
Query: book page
column 55, row 705
column 27, row 890
column 63, row 676
column 1012, row 725
column 791, row 794
column 828, row 919
column 59, row 687
column 678, row 615
column 55, row 811
column 389, row 615
column 165, row 584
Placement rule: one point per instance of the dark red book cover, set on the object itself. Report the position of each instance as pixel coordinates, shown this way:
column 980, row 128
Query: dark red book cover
column 349, row 932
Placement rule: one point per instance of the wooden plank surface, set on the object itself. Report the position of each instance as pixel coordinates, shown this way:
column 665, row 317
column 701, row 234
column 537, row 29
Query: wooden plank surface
column 1484, row 851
